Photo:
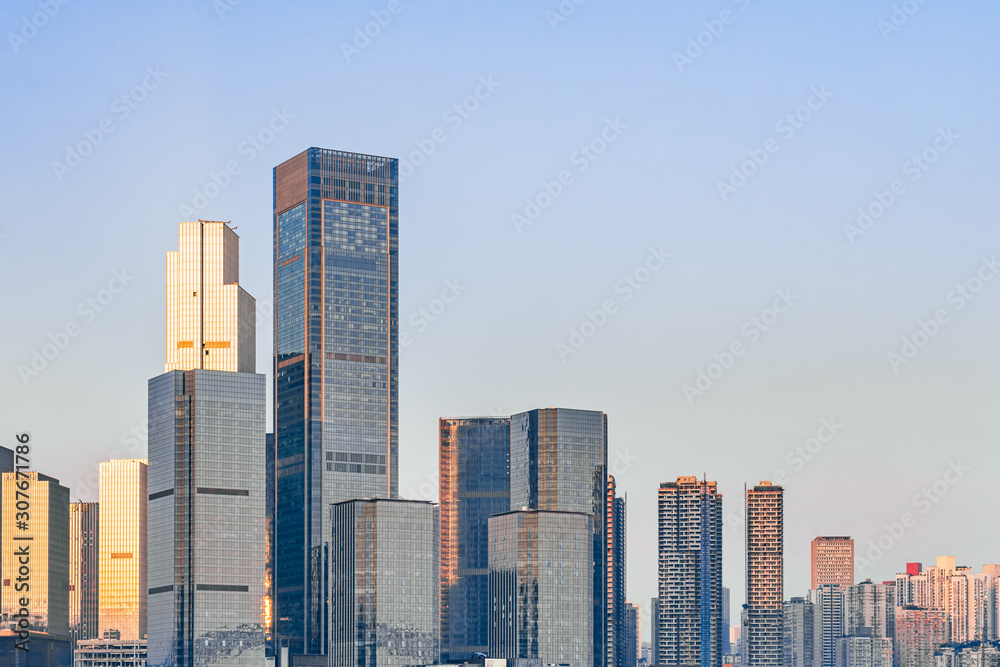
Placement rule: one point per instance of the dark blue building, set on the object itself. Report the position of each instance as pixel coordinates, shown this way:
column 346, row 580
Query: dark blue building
column 336, row 295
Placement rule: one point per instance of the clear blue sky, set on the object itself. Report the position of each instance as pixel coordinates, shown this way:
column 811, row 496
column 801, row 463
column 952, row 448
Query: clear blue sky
column 198, row 80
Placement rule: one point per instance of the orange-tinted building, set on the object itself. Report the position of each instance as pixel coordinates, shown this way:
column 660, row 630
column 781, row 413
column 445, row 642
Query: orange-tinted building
column 832, row 561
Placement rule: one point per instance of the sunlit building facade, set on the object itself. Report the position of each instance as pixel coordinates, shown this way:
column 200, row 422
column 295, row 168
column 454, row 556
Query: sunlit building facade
column 123, row 548
column 540, row 587
column 336, row 369
column 919, row 633
column 43, row 536
column 832, row 560
column 207, row 486
column 761, row 619
column 690, row 573
column 383, row 577
column 558, row 462
column 474, row 460
column 84, row 569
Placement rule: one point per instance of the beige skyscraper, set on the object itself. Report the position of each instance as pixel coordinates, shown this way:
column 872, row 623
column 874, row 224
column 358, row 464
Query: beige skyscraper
column 38, row 528
column 832, row 561
column 762, row 622
column 122, row 536
column 210, row 318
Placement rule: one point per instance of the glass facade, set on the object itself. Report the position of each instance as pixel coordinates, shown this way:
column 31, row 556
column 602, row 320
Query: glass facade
column 206, row 518
column 474, row 459
column 383, row 583
column 690, row 603
column 84, row 556
column 41, row 525
column 336, row 363
column 541, row 593
column 122, row 548
column 558, row 462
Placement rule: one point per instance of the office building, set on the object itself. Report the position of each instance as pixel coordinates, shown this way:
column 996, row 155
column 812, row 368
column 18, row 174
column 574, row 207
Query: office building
column 44, row 537
column 799, row 641
column 207, row 481
column 122, row 578
column 541, row 588
column 832, row 561
column 616, row 610
column 111, row 653
column 919, row 632
column 336, row 363
column 690, row 573
column 761, row 620
column 633, row 634
column 84, row 559
column 474, row 460
column 558, row 462
column 383, row 577
column 270, row 503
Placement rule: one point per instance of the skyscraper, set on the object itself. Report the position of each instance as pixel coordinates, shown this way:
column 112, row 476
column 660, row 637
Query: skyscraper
column 84, row 559
column 828, row 601
column 541, row 589
column 870, row 605
column 123, row 569
column 800, row 645
column 726, row 611
column 617, row 637
column 384, row 583
column 44, row 537
column 765, row 571
column 207, row 482
column 832, row 561
column 633, row 634
column 336, row 371
column 919, row 632
column 654, row 629
column 690, row 573
column 474, row 459
column 558, row 462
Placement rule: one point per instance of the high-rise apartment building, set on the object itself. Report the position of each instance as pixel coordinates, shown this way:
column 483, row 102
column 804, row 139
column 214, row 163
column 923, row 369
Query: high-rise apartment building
column 558, row 462
column 207, row 484
column 42, row 535
column 800, row 647
column 919, row 632
column 828, row 603
column 336, row 369
column 726, row 620
column 938, row 576
column 633, row 634
column 690, row 574
column 84, row 559
column 864, row 650
column 474, row 460
column 872, row 606
column 617, row 633
column 541, row 588
column 122, row 578
column 384, row 583
column 832, row 561
column 762, row 624
column 654, row 629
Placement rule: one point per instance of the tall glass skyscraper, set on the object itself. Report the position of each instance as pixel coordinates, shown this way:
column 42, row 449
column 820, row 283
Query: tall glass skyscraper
column 384, row 592
column 690, row 573
column 336, row 296
column 559, row 462
column 84, row 556
column 474, row 457
column 123, row 564
column 206, row 468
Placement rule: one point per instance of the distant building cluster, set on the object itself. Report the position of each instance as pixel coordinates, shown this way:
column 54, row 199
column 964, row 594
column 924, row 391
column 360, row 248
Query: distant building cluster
column 232, row 546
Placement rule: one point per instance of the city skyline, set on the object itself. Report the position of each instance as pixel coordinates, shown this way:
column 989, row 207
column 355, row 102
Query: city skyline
column 815, row 402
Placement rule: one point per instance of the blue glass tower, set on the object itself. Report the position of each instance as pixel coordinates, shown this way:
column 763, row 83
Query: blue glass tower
column 335, row 365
